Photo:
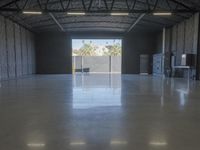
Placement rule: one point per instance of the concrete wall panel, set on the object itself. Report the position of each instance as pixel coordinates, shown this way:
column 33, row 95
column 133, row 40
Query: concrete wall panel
column 167, row 62
column 92, row 63
column 24, row 52
column 189, row 32
column 33, row 59
column 196, row 33
column 116, row 63
column 174, row 39
column 29, row 53
column 180, row 42
column 3, row 50
column 77, row 61
column 18, row 51
column 10, row 48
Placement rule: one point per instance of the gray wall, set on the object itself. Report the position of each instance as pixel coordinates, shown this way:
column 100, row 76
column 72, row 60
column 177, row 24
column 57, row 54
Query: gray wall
column 17, row 50
column 54, row 50
column 135, row 44
column 101, row 64
column 184, row 37
column 96, row 64
column 159, row 45
column 116, row 64
column 181, row 38
column 53, row 53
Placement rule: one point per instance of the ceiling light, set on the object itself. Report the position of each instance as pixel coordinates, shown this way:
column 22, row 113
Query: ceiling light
column 119, row 14
column 76, row 13
column 158, row 143
column 32, row 12
column 77, row 143
column 35, row 144
column 162, row 14
column 118, row 142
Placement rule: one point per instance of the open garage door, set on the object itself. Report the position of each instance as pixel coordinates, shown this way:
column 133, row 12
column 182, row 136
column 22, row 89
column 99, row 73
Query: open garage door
column 96, row 55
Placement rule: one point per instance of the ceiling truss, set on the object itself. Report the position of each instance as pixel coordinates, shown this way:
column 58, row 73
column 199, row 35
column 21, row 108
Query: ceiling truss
column 106, row 6
column 97, row 13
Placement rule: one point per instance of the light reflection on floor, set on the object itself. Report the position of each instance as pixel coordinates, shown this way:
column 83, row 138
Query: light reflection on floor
column 92, row 111
column 98, row 97
column 87, row 94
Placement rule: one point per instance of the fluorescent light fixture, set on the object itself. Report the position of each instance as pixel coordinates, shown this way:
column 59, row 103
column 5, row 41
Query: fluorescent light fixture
column 118, row 142
column 158, row 143
column 76, row 13
column 162, row 14
column 36, row 145
column 77, row 143
column 184, row 56
column 119, row 14
column 32, row 12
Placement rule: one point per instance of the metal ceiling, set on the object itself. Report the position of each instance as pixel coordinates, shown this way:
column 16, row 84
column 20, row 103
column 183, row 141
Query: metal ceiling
column 97, row 16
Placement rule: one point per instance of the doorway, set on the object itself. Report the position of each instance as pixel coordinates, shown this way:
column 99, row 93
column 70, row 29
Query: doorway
column 96, row 55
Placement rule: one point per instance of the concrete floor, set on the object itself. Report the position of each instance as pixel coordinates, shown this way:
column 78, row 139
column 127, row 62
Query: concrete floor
column 99, row 112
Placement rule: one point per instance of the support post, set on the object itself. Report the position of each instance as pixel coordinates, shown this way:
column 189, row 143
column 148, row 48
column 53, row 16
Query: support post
column 163, row 51
column 198, row 53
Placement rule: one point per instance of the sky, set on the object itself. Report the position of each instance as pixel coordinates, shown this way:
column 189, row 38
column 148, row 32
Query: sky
column 78, row 43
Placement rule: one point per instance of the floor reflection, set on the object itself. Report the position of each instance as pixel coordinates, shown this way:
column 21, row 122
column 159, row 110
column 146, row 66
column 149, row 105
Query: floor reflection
column 92, row 111
column 104, row 92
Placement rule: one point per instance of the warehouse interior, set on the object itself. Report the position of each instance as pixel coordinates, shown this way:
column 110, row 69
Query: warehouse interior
column 153, row 103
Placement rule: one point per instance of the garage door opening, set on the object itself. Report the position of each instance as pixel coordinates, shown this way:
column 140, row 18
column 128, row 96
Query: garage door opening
column 96, row 55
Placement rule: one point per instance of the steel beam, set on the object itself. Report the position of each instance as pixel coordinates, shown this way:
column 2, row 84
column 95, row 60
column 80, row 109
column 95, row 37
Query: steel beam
column 112, row 4
column 56, row 21
column 145, row 21
column 101, row 11
column 83, row 3
column 8, row 4
column 181, row 4
column 136, row 22
column 105, row 2
column 90, row 5
column 131, row 9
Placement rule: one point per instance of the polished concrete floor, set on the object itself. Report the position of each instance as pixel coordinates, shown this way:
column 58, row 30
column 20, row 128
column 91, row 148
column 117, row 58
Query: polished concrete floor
column 99, row 112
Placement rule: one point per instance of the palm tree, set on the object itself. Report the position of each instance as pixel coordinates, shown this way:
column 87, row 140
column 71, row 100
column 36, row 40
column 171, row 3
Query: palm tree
column 114, row 50
column 86, row 50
